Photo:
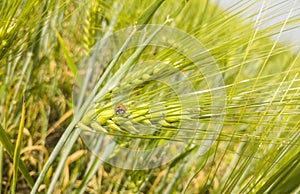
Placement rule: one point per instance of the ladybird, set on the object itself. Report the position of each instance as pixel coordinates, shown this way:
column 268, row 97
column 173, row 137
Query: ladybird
column 120, row 109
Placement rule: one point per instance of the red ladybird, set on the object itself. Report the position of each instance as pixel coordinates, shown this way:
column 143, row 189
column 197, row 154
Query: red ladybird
column 120, row 109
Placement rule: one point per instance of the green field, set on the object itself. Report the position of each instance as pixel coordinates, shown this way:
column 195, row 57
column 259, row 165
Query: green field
column 159, row 96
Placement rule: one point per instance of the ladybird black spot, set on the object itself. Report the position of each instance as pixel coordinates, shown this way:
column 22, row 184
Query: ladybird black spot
column 119, row 110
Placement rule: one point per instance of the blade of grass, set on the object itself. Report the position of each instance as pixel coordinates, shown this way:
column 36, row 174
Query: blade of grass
column 4, row 139
column 282, row 181
column 180, row 8
column 147, row 15
column 18, row 150
column 1, row 165
column 69, row 60
column 65, row 152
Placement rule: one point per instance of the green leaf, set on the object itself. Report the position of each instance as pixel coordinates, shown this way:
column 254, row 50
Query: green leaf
column 179, row 9
column 18, row 150
column 286, row 179
column 69, row 60
column 4, row 139
column 149, row 12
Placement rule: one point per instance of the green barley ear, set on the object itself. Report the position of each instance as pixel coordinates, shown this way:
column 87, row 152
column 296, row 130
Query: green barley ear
column 150, row 105
column 91, row 28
